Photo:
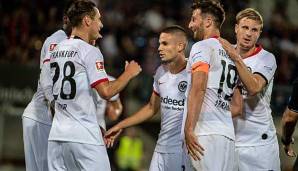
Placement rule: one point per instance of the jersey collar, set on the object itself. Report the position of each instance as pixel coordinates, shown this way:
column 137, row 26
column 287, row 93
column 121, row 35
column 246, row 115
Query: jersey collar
column 256, row 51
column 75, row 37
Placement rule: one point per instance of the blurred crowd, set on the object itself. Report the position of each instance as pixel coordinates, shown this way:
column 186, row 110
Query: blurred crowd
column 131, row 31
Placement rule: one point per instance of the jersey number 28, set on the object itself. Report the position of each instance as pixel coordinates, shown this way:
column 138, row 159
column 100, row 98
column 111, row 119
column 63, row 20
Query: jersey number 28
column 66, row 78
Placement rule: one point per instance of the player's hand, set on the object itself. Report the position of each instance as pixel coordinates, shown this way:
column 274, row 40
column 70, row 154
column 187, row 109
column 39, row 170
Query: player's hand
column 231, row 51
column 195, row 150
column 111, row 135
column 289, row 150
column 132, row 68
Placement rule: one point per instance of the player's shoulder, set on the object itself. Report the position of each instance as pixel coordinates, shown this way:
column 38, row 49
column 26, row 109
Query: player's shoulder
column 206, row 43
column 267, row 56
column 84, row 48
column 89, row 48
column 54, row 39
column 161, row 70
column 267, row 53
column 57, row 36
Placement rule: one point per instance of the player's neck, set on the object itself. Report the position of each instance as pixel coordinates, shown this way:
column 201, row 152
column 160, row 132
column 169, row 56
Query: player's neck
column 177, row 66
column 245, row 52
column 212, row 33
column 81, row 34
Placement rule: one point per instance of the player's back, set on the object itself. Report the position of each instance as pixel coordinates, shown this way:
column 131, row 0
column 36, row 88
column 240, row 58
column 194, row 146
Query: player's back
column 256, row 126
column 37, row 109
column 215, row 116
column 77, row 66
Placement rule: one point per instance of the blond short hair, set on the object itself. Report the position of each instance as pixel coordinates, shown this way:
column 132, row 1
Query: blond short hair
column 250, row 13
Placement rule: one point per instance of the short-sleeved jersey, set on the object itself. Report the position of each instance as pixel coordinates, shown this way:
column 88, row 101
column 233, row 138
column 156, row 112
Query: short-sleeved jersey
column 171, row 90
column 76, row 67
column 101, row 105
column 293, row 103
column 37, row 109
column 215, row 115
column 256, row 126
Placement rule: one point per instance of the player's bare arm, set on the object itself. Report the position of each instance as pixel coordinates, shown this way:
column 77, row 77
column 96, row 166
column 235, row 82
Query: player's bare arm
column 289, row 121
column 110, row 88
column 114, row 109
column 236, row 103
column 254, row 83
column 195, row 101
column 140, row 116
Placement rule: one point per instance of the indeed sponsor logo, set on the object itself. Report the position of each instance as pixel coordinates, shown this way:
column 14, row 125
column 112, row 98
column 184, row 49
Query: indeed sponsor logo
column 170, row 101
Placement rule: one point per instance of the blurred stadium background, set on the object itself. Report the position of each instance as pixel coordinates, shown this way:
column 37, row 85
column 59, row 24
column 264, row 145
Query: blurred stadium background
column 130, row 32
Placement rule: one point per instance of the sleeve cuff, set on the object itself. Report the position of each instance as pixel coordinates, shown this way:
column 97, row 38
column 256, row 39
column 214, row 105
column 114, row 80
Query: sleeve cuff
column 98, row 82
column 262, row 76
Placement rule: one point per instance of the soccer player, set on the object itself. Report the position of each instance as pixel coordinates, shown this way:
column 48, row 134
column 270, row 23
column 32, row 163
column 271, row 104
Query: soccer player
column 256, row 141
column 168, row 96
column 209, row 130
column 36, row 119
column 75, row 140
column 289, row 121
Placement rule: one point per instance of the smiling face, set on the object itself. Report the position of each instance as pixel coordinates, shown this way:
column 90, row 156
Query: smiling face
column 95, row 26
column 168, row 47
column 196, row 24
column 247, row 32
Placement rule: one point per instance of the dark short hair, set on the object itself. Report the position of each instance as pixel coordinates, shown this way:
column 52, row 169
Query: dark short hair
column 213, row 8
column 78, row 10
column 175, row 29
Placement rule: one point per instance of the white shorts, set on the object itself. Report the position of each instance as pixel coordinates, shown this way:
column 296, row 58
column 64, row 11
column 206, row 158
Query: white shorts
column 258, row 158
column 77, row 157
column 170, row 162
column 218, row 155
column 35, row 136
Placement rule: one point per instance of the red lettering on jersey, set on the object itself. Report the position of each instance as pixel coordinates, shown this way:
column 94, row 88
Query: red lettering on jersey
column 99, row 66
column 52, row 46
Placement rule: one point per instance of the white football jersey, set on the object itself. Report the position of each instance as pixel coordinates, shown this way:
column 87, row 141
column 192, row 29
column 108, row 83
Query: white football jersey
column 171, row 90
column 215, row 116
column 101, row 105
column 37, row 109
column 256, row 126
column 76, row 67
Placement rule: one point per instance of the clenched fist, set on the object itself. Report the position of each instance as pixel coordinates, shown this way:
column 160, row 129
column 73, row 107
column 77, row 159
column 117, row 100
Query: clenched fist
column 132, row 68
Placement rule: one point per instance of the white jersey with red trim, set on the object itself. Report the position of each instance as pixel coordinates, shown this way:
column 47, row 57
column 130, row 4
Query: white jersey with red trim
column 77, row 68
column 256, row 126
column 215, row 116
column 37, row 109
column 101, row 105
column 171, row 90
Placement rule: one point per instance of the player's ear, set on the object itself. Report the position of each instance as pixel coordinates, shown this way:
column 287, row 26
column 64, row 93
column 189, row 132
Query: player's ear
column 87, row 20
column 236, row 28
column 208, row 21
column 181, row 46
